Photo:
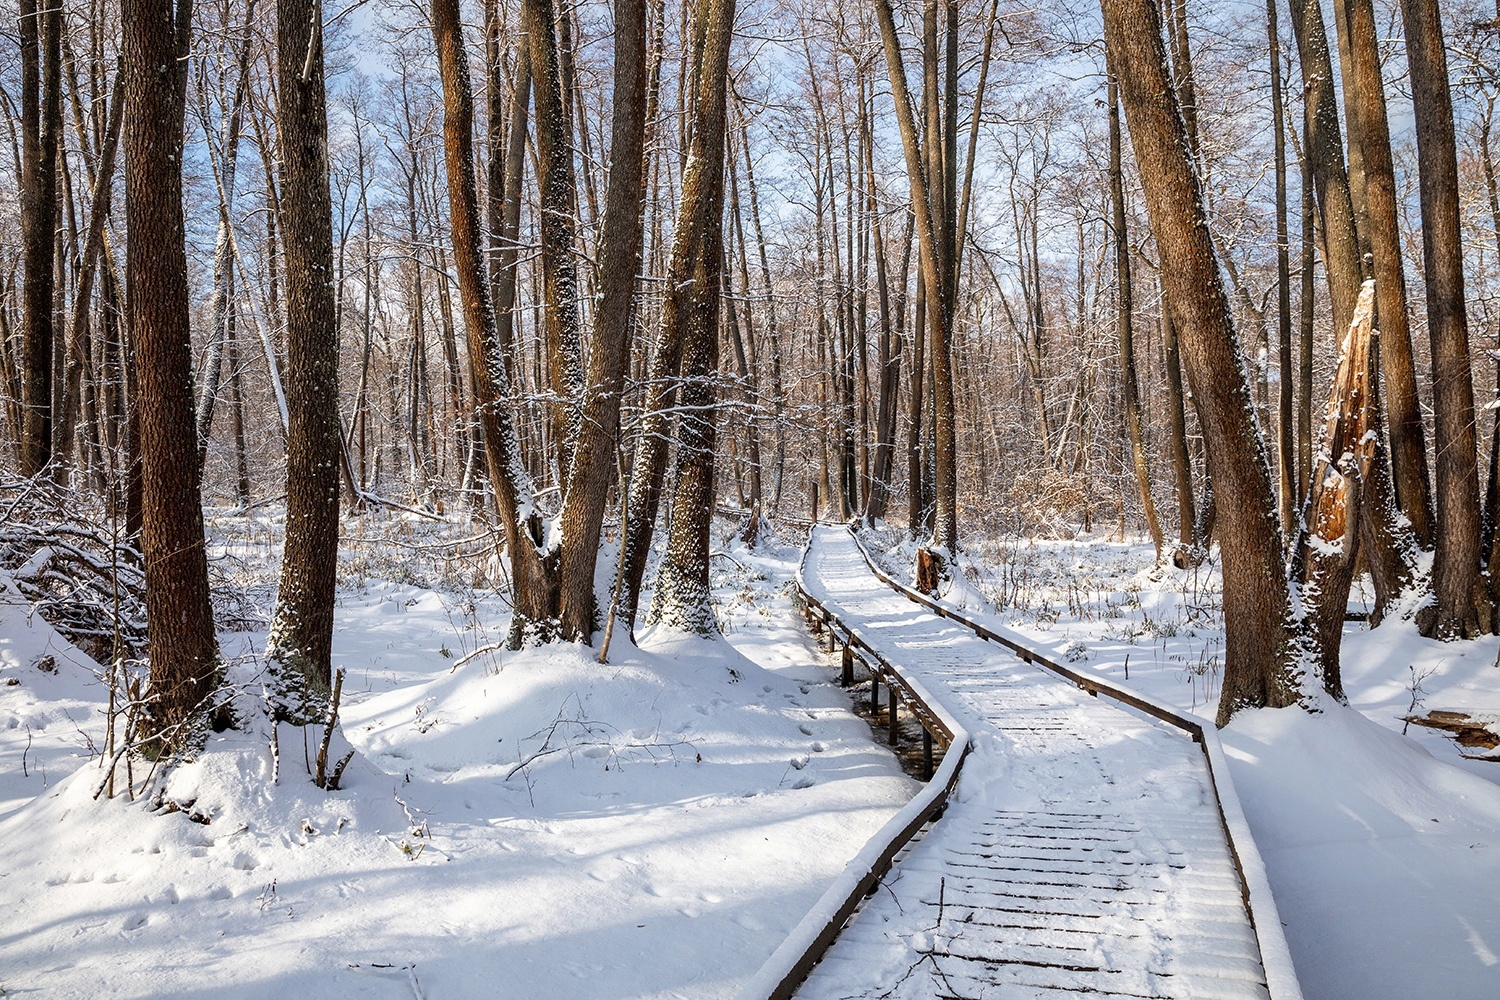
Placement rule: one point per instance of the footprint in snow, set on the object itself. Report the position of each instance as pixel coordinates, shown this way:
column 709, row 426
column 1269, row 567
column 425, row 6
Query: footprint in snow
column 798, row 763
column 806, row 781
column 134, row 921
column 819, row 746
column 805, row 729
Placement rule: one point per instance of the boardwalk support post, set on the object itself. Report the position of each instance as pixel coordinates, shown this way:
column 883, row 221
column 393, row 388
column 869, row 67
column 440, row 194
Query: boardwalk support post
column 847, row 677
column 892, row 698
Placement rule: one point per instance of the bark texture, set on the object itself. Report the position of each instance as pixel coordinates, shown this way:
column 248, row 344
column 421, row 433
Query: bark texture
column 1455, row 573
column 183, row 649
column 300, row 644
column 1266, row 654
column 682, row 598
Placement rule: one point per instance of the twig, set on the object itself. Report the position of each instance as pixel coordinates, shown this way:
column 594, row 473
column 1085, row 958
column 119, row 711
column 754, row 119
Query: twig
column 321, row 777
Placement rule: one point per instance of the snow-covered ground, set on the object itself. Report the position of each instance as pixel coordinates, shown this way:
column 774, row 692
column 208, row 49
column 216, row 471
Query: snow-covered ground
column 1383, row 849
column 541, row 825
column 517, row 825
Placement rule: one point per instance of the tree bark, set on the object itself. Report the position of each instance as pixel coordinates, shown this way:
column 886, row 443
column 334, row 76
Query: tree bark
column 41, row 131
column 1408, row 437
column 1265, row 652
column 1325, row 149
column 1456, row 566
column 1286, row 459
column 593, row 468
column 682, row 599
column 557, row 208
column 183, row 648
column 533, row 556
column 1125, row 306
column 299, row 647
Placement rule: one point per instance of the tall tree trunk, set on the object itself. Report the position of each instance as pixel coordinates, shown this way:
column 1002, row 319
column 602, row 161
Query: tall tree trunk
column 1182, row 463
column 1306, row 329
column 1286, row 458
column 926, row 188
column 1125, row 305
column 593, row 468
column 183, row 648
column 533, row 556
column 695, row 279
column 41, row 131
column 92, row 257
column 299, row 647
column 1366, row 102
column 557, row 208
column 504, row 245
column 1325, row 148
column 223, row 296
column 1265, row 652
column 1455, row 570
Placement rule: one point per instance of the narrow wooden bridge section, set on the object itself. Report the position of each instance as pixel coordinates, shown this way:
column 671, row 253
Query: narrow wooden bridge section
column 1084, row 852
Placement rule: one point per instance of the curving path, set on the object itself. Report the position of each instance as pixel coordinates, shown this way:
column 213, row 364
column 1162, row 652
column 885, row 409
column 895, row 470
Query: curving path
column 1081, row 854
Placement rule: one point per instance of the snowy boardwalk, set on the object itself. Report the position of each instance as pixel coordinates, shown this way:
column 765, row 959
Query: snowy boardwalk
column 1082, row 853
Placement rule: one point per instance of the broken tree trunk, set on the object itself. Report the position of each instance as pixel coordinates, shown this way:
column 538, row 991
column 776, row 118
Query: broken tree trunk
column 1350, row 500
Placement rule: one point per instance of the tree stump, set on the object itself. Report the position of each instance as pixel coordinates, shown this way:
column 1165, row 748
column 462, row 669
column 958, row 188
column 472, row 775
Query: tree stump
column 929, row 571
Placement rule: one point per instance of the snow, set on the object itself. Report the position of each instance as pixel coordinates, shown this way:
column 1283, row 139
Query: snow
column 1104, row 815
column 536, row 824
column 1383, row 858
column 528, row 824
column 1379, row 901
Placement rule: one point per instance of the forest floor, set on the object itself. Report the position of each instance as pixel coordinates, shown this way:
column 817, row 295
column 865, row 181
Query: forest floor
column 1381, row 839
column 536, row 824
column 517, row 825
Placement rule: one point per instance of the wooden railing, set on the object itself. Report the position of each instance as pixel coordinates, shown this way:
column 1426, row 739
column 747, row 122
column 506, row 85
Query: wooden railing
column 1255, row 889
column 784, row 971
column 790, row 964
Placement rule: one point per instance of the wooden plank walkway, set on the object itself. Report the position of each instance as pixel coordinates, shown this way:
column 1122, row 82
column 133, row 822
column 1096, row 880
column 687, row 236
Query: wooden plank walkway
column 1081, row 854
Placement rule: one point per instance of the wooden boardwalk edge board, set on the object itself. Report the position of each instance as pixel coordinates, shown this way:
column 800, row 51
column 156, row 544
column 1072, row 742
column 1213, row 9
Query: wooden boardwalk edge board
column 781, row 974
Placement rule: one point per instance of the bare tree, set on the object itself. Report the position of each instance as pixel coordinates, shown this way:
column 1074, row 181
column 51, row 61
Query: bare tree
column 299, row 647
column 1267, row 656
column 183, row 647
column 682, row 597
column 1455, row 575
column 41, row 128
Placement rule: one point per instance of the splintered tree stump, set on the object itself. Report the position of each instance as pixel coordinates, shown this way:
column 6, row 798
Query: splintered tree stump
column 929, row 571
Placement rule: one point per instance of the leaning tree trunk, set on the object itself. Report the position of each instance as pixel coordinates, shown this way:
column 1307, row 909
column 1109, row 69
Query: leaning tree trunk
column 924, row 169
column 532, row 558
column 682, row 595
column 1266, row 654
column 183, row 649
column 299, row 648
column 1455, row 572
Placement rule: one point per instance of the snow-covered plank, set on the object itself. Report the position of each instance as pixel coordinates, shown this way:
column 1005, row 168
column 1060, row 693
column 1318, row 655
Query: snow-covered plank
column 1082, row 851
